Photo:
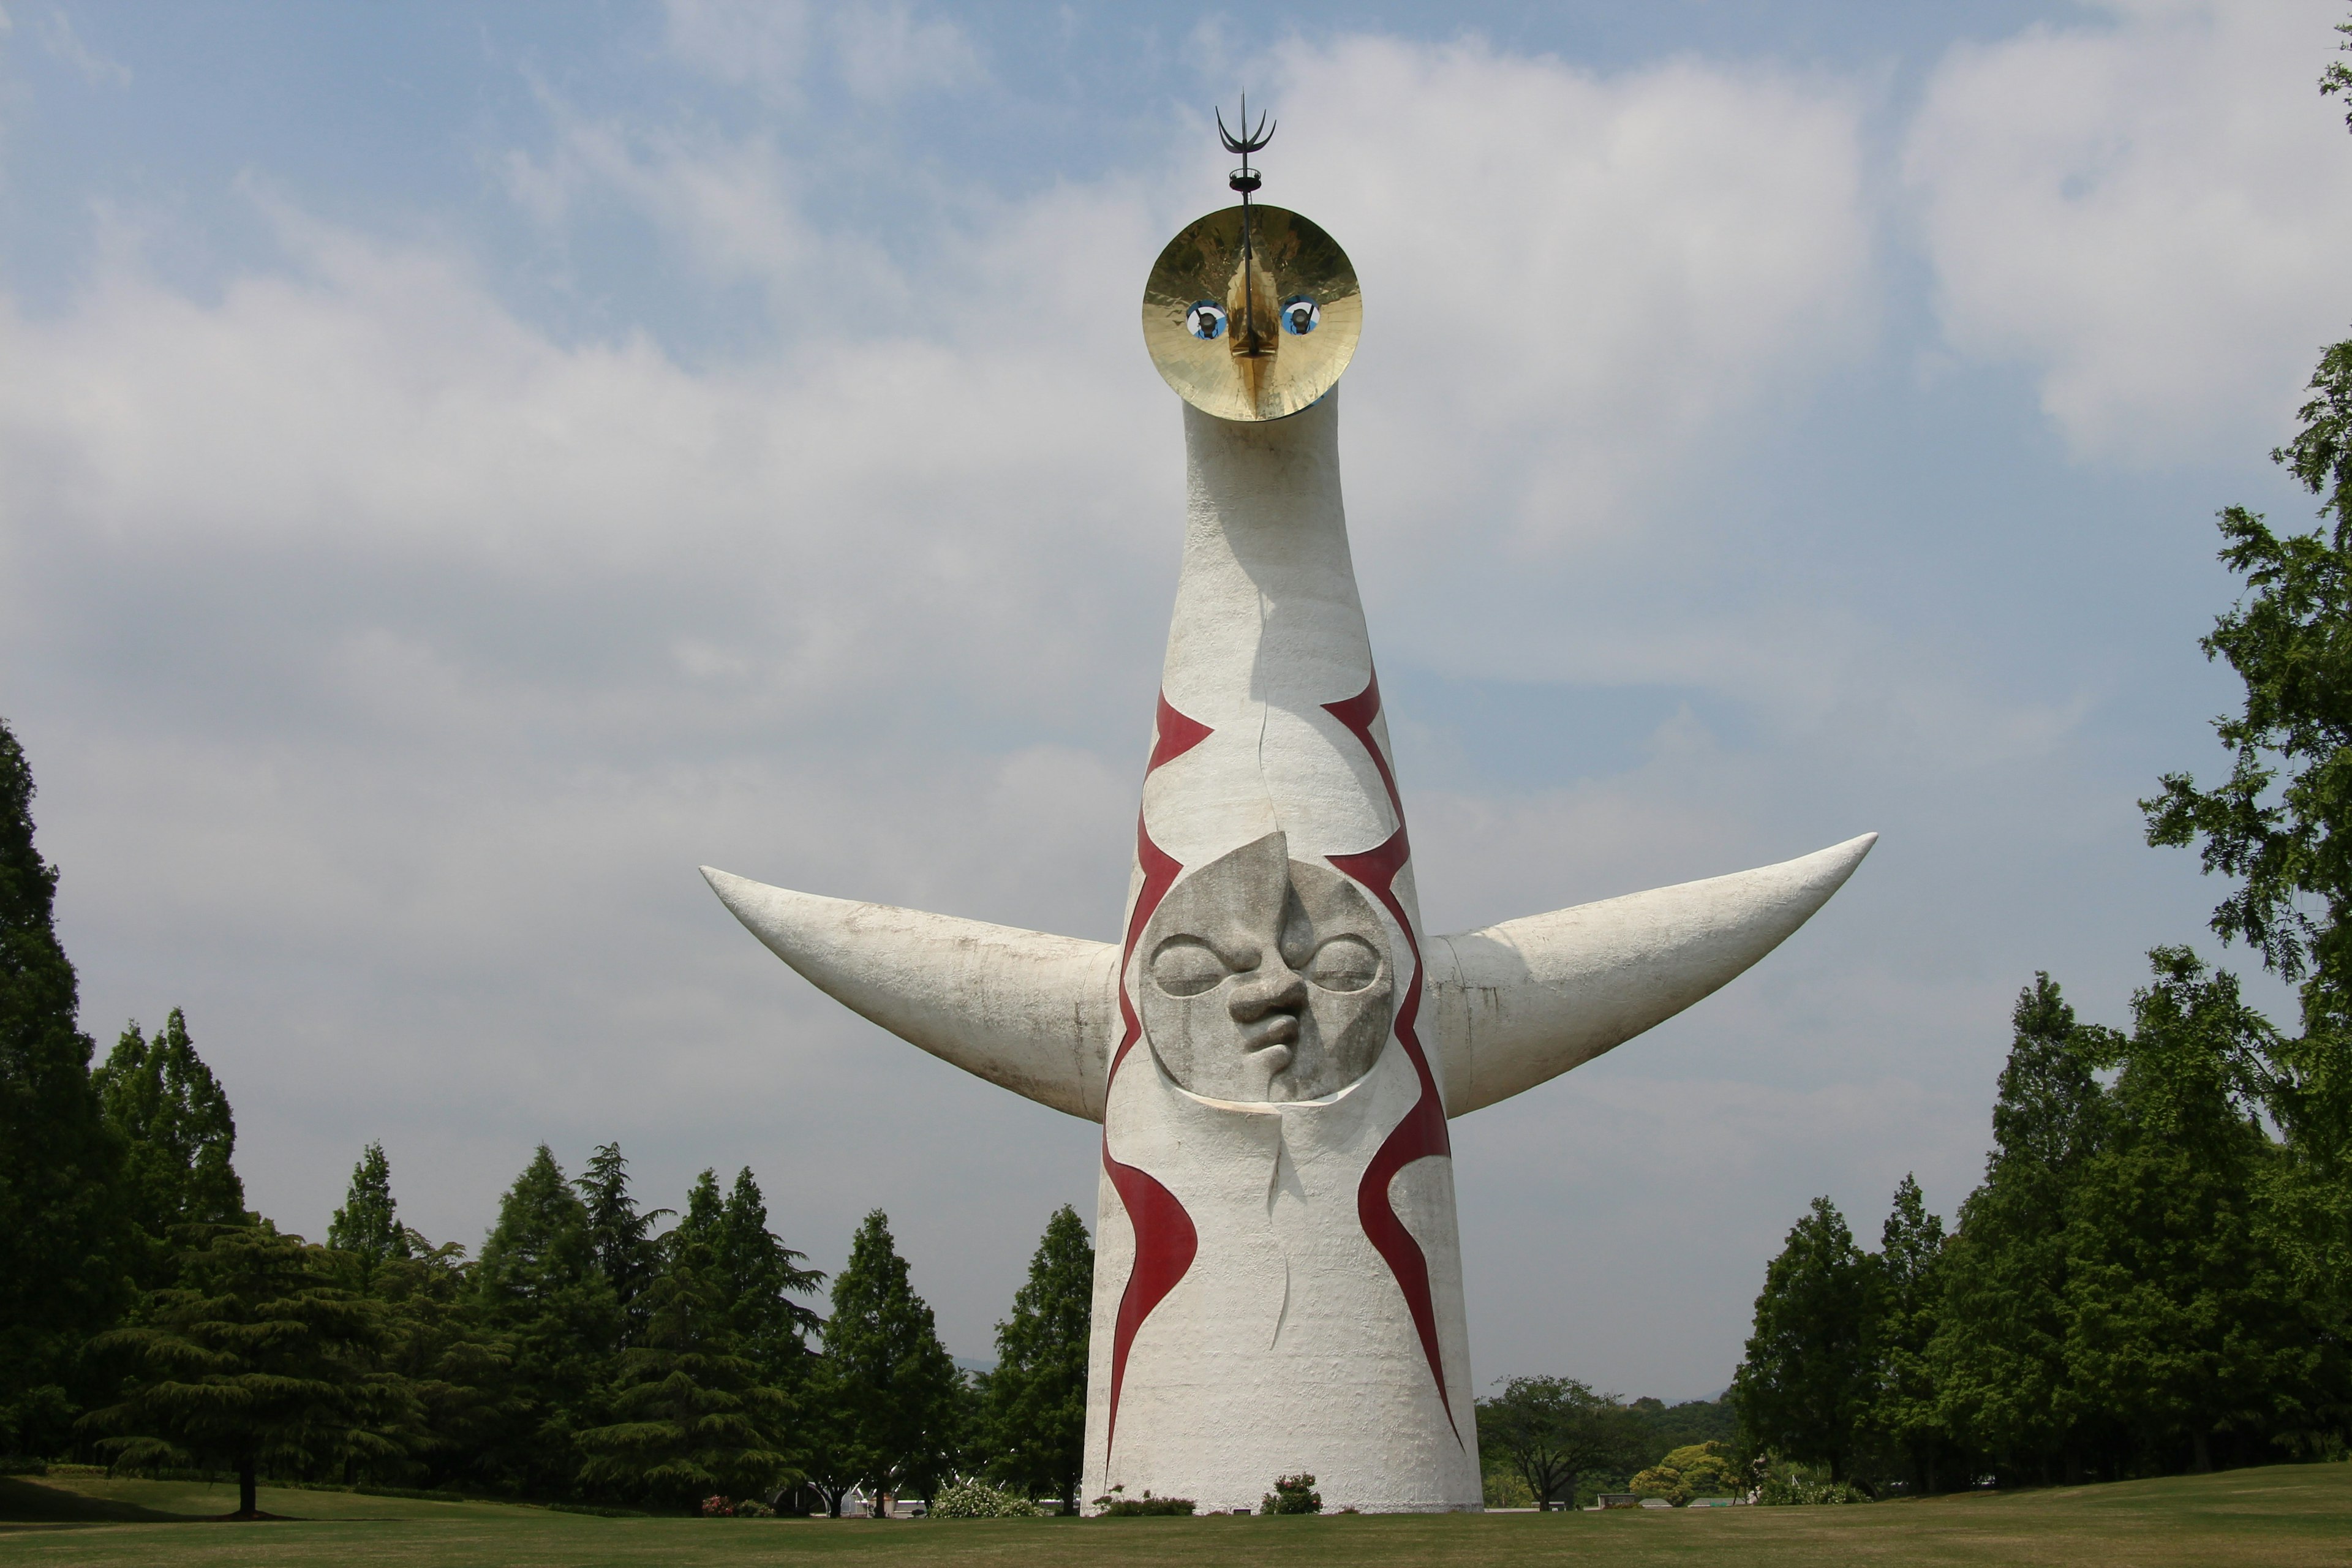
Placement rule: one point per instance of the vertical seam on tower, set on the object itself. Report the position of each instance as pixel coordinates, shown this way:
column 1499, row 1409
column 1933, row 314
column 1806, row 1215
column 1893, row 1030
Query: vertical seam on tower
column 1266, row 786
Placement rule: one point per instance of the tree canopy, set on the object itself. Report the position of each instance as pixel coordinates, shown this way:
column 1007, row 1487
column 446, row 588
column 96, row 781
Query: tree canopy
column 65, row 1245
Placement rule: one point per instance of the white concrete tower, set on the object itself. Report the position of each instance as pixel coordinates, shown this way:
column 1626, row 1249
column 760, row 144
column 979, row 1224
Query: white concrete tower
column 1274, row 1046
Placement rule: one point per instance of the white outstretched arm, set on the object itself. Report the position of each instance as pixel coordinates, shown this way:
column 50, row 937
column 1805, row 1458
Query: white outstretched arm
column 1525, row 1001
column 1511, row 1006
column 1031, row 1012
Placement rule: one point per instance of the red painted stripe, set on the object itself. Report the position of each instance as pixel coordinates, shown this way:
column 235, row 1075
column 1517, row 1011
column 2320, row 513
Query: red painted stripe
column 1172, row 735
column 1422, row 1133
column 1166, row 1240
column 1358, row 713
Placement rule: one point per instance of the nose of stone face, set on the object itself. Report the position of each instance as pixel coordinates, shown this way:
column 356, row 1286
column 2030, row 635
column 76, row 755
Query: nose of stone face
column 1275, row 989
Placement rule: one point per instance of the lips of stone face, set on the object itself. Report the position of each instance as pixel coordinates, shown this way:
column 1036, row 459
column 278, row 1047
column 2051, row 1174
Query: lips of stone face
column 1265, row 979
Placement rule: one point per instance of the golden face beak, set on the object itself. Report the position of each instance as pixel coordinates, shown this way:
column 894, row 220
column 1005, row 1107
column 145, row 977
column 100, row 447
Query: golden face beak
column 1253, row 336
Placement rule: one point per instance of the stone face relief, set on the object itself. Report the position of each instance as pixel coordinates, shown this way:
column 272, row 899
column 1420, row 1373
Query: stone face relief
column 1267, row 980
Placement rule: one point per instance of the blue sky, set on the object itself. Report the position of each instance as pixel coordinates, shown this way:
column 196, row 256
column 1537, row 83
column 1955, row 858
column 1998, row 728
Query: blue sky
column 460, row 468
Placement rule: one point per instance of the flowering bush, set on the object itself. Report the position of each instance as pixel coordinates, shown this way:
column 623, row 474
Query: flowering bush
column 752, row 1507
column 978, row 1499
column 715, row 1507
column 1294, row 1494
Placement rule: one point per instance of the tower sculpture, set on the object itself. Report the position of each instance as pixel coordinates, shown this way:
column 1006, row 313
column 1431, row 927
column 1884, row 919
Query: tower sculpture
column 1274, row 1046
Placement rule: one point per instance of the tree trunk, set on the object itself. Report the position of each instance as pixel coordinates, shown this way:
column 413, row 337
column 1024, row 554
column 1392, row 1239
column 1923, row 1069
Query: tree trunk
column 246, row 1506
column 2204, row 1460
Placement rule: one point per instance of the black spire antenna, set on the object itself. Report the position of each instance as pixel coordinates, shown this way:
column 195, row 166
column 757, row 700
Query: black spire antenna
column 1244, row 180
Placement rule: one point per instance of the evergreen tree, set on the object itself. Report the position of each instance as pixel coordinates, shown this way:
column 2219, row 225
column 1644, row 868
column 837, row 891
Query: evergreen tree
column 256, row 1358
column 1999, row 1350
column 1907, row 1413
column 1804, row 1389
column 692, row 1416
column 539, row 1287
column 888, row 1383
column 626, row 1249
column 460, row 1373
column 368, row 1224
column 761, row 1276
column 179, row 1138
column 64, row 1244
column 1036, row 1398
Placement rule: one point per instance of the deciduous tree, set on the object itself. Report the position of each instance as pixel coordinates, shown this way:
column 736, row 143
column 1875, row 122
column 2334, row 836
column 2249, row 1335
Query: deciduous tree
column 1553, row 1429
column 1805, row 1389
column 179, row 1139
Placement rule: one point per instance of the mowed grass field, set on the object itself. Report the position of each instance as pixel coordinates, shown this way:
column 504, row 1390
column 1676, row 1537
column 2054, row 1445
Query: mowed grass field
column 2282, row 1517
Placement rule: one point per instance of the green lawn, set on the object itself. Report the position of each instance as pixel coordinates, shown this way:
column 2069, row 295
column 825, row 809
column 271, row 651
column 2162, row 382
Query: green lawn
column 2281, row 1517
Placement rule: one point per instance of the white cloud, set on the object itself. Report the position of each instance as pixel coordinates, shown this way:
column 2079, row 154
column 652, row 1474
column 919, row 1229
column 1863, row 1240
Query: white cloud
column 58, row 35
column 763, row 44
column 880, row 52
column 887, row 52
column 2152, row 214
column 389, row 661
column 1591, row 276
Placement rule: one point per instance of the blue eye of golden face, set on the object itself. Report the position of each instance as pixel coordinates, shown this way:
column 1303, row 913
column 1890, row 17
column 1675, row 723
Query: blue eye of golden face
column 1206, row 321
column 1300, row 315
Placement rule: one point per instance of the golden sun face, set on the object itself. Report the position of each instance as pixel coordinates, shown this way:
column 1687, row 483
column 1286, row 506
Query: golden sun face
column 1253, row 337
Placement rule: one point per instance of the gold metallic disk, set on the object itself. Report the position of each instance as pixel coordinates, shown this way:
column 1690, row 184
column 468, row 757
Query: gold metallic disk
column 1256, row 341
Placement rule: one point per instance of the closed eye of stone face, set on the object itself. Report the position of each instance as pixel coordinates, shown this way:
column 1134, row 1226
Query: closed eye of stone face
column 1187, row 966
column 1344, row 963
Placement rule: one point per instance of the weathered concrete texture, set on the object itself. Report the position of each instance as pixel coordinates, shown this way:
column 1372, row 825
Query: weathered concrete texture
column 1522, row 1001
column 1274, row 1047
column 1020, row 1008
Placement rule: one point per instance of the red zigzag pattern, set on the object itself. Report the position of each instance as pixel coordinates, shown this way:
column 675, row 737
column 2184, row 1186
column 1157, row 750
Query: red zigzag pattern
column 1165, row 1239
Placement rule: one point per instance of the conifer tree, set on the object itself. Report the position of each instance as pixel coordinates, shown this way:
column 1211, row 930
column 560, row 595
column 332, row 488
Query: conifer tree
column 368, row 1224
column 623, row 1238
column 1036, row 1398
column 256, row 1357
column 757, row 1273
column 1907, row 1413
column 539, row 1287
column 1999, row 1350
column 64, row 1245
column 1804, row 1389
column 692, row 1414
column 888, row 1383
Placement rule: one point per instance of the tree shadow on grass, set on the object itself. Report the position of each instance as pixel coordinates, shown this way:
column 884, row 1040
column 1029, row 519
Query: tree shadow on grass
column 32, row 1502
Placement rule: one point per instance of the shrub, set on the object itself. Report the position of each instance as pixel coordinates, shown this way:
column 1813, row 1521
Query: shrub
column 717, row 1508
column 978, row 1499
column 1294, row 1494
column 1787, row 1484
column 1706, row 1468
column 752, row 1507
column 1119, row 1505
